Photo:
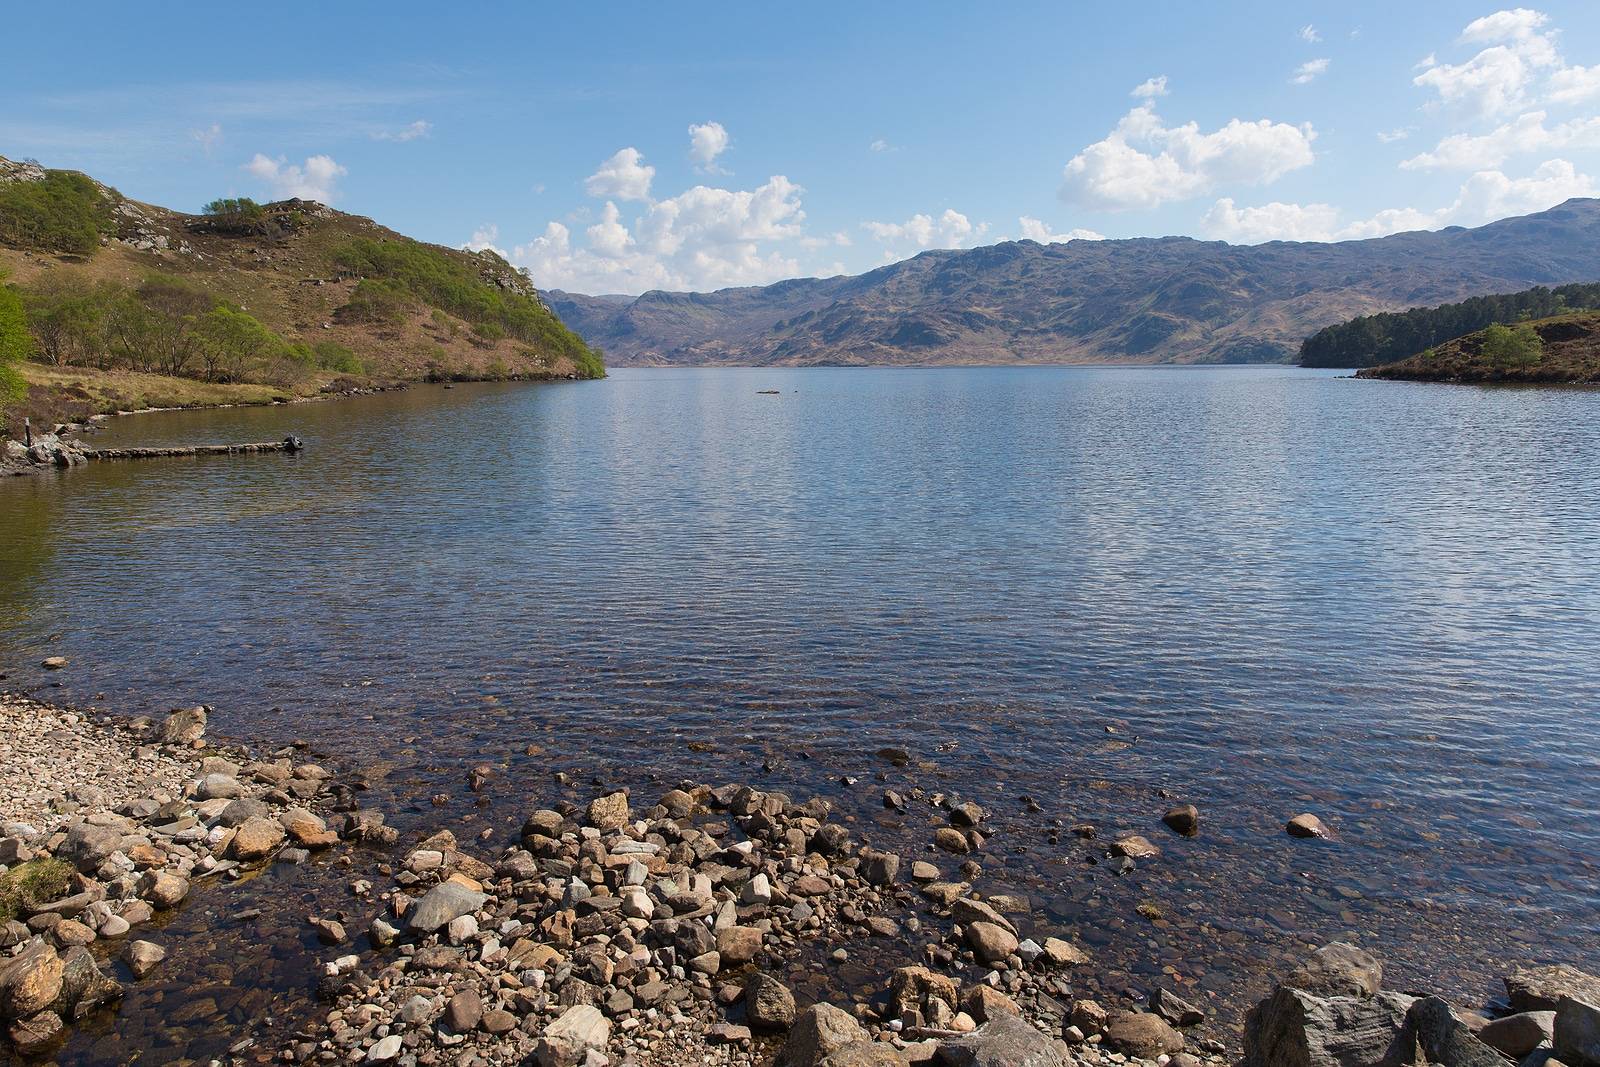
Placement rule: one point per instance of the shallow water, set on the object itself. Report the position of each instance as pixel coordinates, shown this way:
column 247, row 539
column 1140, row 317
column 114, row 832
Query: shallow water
column 1265, row 590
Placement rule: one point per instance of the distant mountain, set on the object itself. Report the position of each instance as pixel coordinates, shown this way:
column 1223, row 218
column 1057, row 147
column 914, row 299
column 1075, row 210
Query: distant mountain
column 1148, row 300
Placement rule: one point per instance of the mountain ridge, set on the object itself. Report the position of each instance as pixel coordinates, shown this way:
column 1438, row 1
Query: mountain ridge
column 1135, row 300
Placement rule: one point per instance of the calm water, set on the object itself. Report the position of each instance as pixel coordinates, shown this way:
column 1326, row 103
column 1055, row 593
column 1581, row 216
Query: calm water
column 1265, row 590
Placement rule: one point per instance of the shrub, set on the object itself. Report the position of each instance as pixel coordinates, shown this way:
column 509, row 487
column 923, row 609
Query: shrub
column 16, row 345
column 331, row 355
column 232, row 341
column 377, row 301
column 63, row 212
column 235, row 214
column 1512, row 346
column 67, row 318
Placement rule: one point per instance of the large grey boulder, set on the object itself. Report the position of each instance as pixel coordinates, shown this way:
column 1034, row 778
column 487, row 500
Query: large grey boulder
column 819, row 1032
column 445, row 901
column 1004, row 1041
column 1293, row 1028
column 1445, row 1039
column 1578, row 1031
column 1541, row 988
column 567, row 1041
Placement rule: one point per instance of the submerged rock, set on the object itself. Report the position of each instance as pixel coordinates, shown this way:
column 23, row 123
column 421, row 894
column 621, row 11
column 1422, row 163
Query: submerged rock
column 1307, row 825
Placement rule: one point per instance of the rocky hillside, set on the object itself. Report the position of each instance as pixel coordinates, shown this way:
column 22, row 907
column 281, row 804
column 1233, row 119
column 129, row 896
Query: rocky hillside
column 1170, row 299
column 1567, row 352
column 388, row 308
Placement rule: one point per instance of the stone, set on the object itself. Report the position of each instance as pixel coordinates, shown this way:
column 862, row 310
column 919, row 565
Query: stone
column 53, row 663
column 1445, row 1039
column 881, row 868
column 219, row 787
column 1541, row 988
column 30, row 981
column 84, row 987
column 442, row 903
column 1182, row 819
column 910, row 988
column 985, row 1003
column 384, row 1049
column 1338, row 969
column 567, row 1041
column 255, row 838
column 768, row 1003
column 1174, row 1009
column 609, row 812
column 1142, row 1034
column 69, row 933
column 306, row 828
column 416, row 1011
column 1088, row 1016
column 1519, row 1034
column 1134, row 847
column 952, row 840
column 757, row 890
column 114, row 926
column 1063, row 953
column 499, row 1021
column 86, row 846
column 239, row 811
column 329, row 931
column 184, row 726
column 464, row 1011
column 864, row 1054
column 1294, row 1028
column 1003, row 1041
column 817, row 1033
column 969, row 910
column 142, row 957
column 923, row 871
column 33, row 1036
column 990, row 942
column 1307, row 825
column 1577, row 1030
column 738, row 944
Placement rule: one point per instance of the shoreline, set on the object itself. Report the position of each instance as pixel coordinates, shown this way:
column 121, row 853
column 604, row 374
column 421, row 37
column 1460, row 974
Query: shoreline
column 696, row 927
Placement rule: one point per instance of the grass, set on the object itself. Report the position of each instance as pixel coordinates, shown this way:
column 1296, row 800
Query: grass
column 72, row 394
column 30, row 884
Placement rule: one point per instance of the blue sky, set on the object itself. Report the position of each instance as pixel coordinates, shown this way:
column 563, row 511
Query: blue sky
column 618, row 148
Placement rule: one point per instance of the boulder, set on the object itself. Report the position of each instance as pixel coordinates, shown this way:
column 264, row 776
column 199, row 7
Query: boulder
column 1063, row 953
column 880, row 868
column 817, row 1033
column 609, row 812
column 1519, row 1034
column 1338, row 969
column 1577, row 1031
column 163, row 889
column 1174, row 1009
column 184, row 726
column 439, row 905
column 910, row 988
column 1183, row 819
column 86, row 847
column 256, row 838
column 1294, row 1028
column 219, row 787
column 30, row 982
column 990, row 942
column 1142, row 1034
column 768, row 1003
column 985, row 1003
column 864, row 1054
column 1003, row 1041
column 738, row 944
column 464, row 1011
column 1445, row 1039
column 142, row 957
column 1541, row 988
column 567, row 1041
column 1307, row 825
column 84, row 987
column 306, row 828
column 1134, row 847
column 34, row 1036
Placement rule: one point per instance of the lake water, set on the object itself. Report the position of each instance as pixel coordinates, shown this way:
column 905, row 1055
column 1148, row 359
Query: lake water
column 1264, row 590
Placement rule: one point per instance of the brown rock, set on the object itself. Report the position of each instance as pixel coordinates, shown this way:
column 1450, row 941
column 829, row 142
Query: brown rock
column 984, row 1002
column 1183, row 819
column 256, row 838
column 738, row 945
column 33, row 1036
column 989, row 942
column 910, row 988
column 30, row 982
column 768, row 1003
column 609, row 812
column 1307, row 825
column 1134, row 847
column 818, row 1032
column 1142, row 1034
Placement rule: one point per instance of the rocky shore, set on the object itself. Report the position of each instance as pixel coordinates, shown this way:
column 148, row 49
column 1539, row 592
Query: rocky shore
column 701, row 926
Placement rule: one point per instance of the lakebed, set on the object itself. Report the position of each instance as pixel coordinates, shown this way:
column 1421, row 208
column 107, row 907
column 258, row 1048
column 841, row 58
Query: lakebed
column 1070, row 595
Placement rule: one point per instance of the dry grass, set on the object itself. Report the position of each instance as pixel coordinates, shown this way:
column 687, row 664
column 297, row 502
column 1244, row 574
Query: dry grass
column 72, row 394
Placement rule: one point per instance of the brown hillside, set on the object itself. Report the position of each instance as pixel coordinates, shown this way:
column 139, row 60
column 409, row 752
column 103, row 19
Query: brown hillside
column 1570, row 356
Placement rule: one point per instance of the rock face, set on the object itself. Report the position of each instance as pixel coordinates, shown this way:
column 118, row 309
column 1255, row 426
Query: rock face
column 1577, row 1031
column 1541, row 988
column 819, row 1032
column 1293, row 1028
column 1004, row 1041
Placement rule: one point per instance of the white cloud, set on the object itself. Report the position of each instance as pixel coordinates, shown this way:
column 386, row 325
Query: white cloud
column 703, row 238
column 312, row 181
column 952, row 229
column 1574, row 85
column 1151, row 88
column 484, row 239
column 880, row 145
column 409, row 132
column 1399, row 133
column 1484, row 197
column 1309, row 34
column 1037, row 230
column 624, row 176
column 208, row 137
column 1527, row 133
column 707, row 141
column 1498, row 78
column 1309, row 71
column 1144, row 163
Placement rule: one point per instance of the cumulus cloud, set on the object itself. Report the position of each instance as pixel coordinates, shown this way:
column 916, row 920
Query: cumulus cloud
column 951, row 229
column 1485, row 196
column 1309, row 71
column 409, row 132
column 1144, row 163
column 707, row 141
column 624, row 176
column 313, row 180
column 1037, row 230
column 1498, row 78
column 1151, row 88
column 484, row 239
column 1528, row 133
column 1574, row 85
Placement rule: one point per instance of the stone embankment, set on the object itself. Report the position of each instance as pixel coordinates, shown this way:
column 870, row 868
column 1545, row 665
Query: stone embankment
column 51, row 450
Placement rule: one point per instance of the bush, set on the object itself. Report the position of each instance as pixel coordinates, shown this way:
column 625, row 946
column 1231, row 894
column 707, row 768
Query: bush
column 1516, row 346
column 232, row 342
column 377, row 301
column 331, row 355
column 235, row 214
column 16, row 345
column 64, row 212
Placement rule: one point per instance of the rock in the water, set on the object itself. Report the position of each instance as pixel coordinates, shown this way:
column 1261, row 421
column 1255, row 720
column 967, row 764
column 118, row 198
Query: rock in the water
column 1338, row 969
column 990, row 942
column 184, row 726
column 1174, row 1009
column 53, row 663
column 255, row 838
column 163, row 889
column 1004, row 1041
column 1577, row 1031
column 142, row 957
column 1063, row 953
column 609, row 812
column 1142, row 1034
column 567, row 1041
column 1293, row 1028
column 30, row 982
column 1445, row 1039
column 33, row 1036
column 1307, row 825
column 84, row 987
column 1183, row 819
column 1541, row 988
column 1519, row 1034
column 768, row 1004
column 439, row 905
column 1134, row 847
column 818, row 1032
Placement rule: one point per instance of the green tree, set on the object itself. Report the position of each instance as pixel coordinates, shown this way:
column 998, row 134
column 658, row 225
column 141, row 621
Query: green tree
column 61, row 212
column 66, row 318
column 231, row 341
column 16, row 344
column 1506, row 346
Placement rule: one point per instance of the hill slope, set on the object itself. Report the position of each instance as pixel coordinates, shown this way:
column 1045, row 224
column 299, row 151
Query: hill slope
column 392, row 308
column 1567, row 353
column 1148, row 300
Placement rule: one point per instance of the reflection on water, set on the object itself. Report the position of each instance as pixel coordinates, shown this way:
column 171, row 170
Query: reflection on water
column 1261, row 589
